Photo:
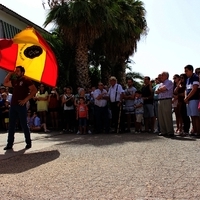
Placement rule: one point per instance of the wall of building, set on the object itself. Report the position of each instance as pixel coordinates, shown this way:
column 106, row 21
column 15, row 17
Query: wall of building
column 11, row 20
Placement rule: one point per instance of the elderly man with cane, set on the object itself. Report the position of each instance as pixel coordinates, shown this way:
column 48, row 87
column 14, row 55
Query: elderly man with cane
column 115, row 94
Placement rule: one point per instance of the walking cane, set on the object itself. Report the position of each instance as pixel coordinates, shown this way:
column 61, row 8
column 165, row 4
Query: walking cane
column 120, row 111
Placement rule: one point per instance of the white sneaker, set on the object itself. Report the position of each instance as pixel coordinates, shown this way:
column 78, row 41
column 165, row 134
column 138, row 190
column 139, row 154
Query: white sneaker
column 89, row 132
column 78, row 133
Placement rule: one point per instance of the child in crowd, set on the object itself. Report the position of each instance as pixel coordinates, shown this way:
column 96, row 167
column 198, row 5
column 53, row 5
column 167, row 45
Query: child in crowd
column 82, row 115
column 5, row 113
column 36, row 125
column 29, row 119
column 138, row 105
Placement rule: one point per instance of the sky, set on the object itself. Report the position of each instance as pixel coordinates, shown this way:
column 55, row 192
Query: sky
column 172, row 42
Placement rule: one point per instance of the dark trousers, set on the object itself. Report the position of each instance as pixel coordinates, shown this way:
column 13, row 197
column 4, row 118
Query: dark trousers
column 115, row 109
column 185, row 118
column 16, row 112
column 69, row 119
column 101, row 118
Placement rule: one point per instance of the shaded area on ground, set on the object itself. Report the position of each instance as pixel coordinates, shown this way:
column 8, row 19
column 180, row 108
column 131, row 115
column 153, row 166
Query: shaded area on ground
column 103, row 139
column 23, row 162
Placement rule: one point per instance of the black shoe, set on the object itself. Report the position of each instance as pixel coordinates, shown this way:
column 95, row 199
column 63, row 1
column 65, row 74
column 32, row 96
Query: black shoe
column 7, row 147
column 193, row 135
column 127, row 131
column 161, row 134
column 170, row 135
column 28, row 146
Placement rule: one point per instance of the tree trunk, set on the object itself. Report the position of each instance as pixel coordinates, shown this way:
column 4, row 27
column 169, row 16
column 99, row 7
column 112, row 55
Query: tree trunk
column 81, row 62
column 121, row 73
column 105, row 73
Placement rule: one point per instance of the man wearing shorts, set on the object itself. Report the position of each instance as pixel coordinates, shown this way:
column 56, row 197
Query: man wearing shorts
column 192, row 98
column 129, row 95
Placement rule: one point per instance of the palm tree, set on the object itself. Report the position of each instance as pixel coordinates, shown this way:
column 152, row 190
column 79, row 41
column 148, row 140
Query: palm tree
column 65, row 58
column 120, row 43
column 80, row 23
column 137, row 78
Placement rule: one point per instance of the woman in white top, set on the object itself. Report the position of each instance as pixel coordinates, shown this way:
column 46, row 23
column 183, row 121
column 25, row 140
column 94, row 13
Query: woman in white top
column 68, row 110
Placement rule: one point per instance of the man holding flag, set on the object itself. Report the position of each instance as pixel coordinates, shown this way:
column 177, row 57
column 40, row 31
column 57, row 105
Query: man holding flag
column 23, row 90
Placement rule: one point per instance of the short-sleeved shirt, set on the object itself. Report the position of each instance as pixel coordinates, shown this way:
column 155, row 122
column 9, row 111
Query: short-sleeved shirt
column 30, row 121
column 155, row 96
column 167, row 93
column 9, row 97
column 137, row 102
column 82, row 110
column 20, row 89
column 100, row 102
column 115, row 92
column 36, row 121
column 193, row 80
column 129, row 91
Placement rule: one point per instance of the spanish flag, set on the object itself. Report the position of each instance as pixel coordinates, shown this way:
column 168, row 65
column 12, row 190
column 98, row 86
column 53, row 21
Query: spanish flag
column 29, row 50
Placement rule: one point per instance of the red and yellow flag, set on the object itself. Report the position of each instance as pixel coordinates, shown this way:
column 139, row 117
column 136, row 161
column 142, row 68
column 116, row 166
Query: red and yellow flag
column 29, row 50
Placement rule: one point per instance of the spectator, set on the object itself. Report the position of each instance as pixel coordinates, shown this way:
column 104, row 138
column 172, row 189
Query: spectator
column 82, row 115
column 155, row 100
column 36, row 124
column 175, row 105
column 53, row 107
column 165, row 94
column 192, row 98
column 69, row 112
column 115, row 94
column 2, row 90
column 147, row 95
column 180, row 91
column 5, row 114
column 82, row 93
column 42, row 103
column 129, row 95
column 139, row 111
column 29, row 118
column 2, row 110
column 101, row 109
column 9, row 95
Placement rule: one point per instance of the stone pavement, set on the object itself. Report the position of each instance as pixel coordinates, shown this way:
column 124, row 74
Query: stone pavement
column 115, row 166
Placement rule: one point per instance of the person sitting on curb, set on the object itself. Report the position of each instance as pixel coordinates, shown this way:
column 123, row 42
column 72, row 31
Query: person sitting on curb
column 36, row 124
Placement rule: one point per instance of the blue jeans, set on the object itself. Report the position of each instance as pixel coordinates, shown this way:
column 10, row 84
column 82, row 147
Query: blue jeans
column 15, row 112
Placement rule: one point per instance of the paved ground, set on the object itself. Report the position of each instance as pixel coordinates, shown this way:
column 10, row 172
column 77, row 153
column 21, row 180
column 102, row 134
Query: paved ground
column 123, row 166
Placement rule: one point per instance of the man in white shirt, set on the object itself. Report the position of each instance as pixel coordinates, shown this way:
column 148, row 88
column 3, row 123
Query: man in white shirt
column 115, row 94
column 101, row 109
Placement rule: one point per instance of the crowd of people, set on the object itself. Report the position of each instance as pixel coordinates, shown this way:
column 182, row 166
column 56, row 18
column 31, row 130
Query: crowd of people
column 108, row 109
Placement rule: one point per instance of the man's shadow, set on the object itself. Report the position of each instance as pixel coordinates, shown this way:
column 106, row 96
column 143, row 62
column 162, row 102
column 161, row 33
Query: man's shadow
column 22, row 162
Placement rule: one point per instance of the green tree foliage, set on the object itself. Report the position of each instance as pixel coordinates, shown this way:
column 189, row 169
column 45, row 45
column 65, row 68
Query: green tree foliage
column 98, row 33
